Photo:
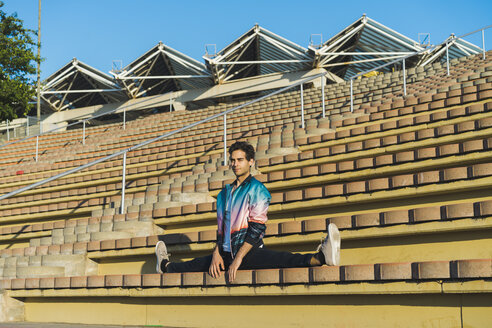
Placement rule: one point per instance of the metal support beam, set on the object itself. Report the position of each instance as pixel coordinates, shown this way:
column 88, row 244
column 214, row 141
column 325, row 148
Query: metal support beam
column 362, row 61
column 365, row 53
column 38, row 71
column 80, row 91
column 124, row 119
column 483, row 43
column 164, row 77
column 8, row 132
column 404, row 79
column 302, row 106
column 83, row 132
column 351, row 95
column 123, row 182
column 447, row 58
column 225, row 139
column 249, row 62
column 323, row 96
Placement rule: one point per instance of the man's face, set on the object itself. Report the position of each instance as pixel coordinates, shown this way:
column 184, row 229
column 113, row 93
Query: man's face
column 240, row 164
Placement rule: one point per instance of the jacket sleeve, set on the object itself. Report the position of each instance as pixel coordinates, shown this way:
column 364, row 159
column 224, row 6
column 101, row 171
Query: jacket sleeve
column 220, row 239
column 220, row 219
column 259, row 201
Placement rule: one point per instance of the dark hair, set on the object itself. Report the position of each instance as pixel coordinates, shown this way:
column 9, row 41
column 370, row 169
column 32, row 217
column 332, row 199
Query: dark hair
column 248, row 149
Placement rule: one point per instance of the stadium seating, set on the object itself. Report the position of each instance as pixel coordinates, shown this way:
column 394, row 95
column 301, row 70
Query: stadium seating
column 407, row 179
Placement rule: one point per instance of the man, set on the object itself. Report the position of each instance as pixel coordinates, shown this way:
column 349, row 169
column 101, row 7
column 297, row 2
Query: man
column 241, row 216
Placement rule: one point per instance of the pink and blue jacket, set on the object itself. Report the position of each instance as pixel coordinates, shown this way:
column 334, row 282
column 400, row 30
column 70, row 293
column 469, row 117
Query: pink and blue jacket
column 248, row 214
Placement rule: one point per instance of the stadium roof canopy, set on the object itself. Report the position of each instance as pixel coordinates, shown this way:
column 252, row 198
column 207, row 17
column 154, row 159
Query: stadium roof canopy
column 363, row 45
column 257, row 52
column 79, row 85
column 163, row 69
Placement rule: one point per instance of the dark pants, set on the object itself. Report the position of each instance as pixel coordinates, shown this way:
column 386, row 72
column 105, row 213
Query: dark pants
column 257, row 258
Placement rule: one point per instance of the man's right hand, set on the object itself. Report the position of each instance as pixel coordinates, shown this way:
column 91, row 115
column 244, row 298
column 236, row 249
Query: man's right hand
column 217, row 265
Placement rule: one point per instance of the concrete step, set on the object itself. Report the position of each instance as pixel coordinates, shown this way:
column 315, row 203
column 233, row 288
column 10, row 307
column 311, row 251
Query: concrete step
column 75, row 265
column 138, row 228
column 9, row 272
column 40, row 271
column 280, row 151
column 104, row 235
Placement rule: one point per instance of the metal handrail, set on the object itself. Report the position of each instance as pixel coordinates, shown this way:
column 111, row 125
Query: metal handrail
column 402, row 59
column 144, row 143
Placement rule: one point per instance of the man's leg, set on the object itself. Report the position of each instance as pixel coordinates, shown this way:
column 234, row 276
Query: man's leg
column 163, row 264
column 199, row 264
column 328, row 253
column 263, row 258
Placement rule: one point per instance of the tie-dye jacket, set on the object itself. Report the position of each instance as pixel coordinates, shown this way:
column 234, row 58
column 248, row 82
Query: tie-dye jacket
column 248, row 213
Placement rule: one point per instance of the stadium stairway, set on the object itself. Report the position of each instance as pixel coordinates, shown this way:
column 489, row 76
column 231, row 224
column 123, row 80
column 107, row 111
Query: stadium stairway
column 406, row 179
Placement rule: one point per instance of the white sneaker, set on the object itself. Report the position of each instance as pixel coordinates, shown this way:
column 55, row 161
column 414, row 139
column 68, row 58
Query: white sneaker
column 330, row 247
column 161, row 254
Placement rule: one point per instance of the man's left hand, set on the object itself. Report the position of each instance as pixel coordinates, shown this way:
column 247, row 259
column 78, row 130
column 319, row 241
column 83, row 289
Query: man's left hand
column 234, row 267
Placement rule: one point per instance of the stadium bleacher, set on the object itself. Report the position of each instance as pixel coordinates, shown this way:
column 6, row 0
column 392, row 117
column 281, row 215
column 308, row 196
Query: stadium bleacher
column 406, row 179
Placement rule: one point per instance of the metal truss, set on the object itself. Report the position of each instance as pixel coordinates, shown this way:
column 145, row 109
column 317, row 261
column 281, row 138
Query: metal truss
column 452, row 47
column 79, row 85
column 160, row 70
column 257, row 52
column 360, row 46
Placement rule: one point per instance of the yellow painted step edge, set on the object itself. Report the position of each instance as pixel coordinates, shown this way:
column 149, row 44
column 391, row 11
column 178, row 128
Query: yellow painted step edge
column 350, row 288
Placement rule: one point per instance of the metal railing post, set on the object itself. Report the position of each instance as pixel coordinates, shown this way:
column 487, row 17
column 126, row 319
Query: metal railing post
column 170, row 102
column 123, row 182
column 27, row 125
column 37, row 147
column 83, row 133
column 124, row 119
column 8, row 132
column 483, row 43
column 302, row 106
column 447, row 58
column 323, row 95
column 225, row 139
column 351, row 95
column 404, row 79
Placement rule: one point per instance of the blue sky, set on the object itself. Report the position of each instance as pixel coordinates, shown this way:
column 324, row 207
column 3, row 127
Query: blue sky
column 100, row 31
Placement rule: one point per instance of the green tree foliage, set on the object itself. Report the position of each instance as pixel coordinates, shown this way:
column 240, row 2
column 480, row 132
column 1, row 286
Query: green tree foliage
column 17, row 66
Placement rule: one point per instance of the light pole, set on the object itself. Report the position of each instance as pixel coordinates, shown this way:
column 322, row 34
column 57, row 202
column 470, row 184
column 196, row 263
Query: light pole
column 38, row 103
